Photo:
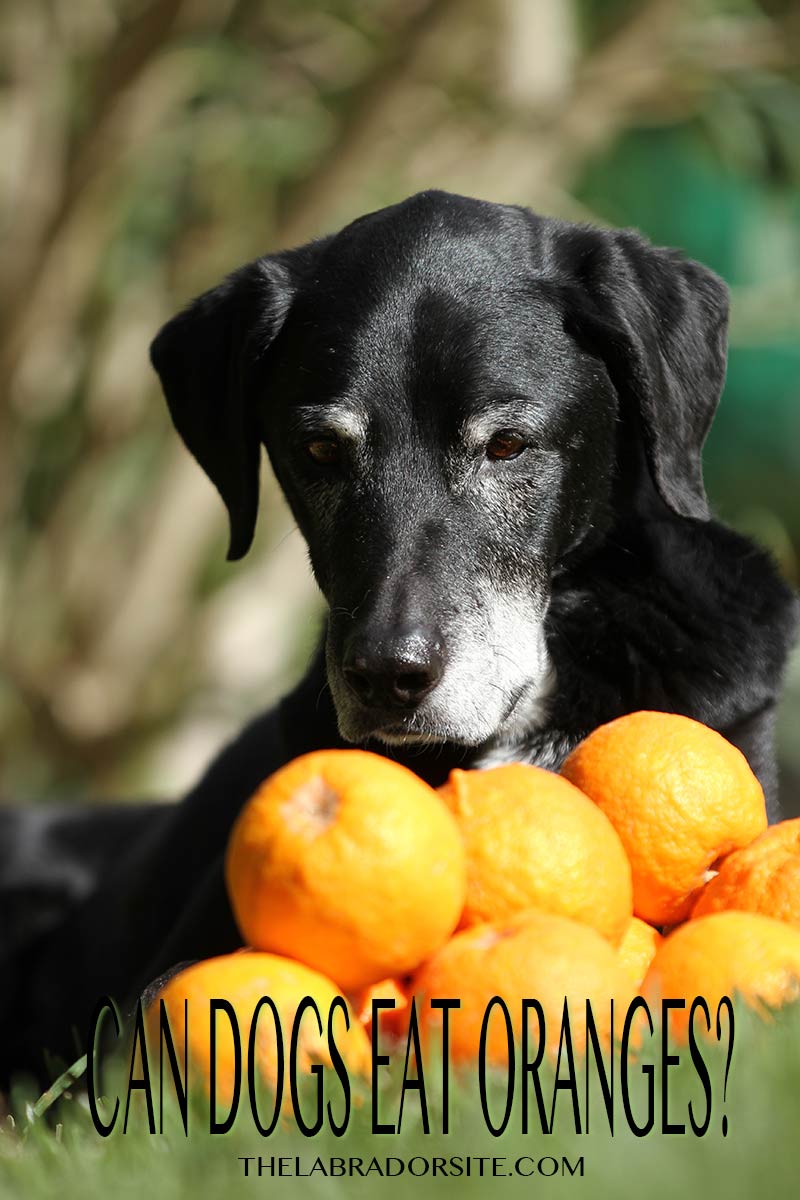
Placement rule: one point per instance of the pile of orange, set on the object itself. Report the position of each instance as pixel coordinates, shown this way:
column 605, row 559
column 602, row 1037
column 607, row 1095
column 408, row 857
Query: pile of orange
column 646, row 864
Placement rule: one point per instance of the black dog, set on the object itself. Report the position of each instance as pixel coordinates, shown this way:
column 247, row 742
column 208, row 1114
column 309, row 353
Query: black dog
column 489, row 428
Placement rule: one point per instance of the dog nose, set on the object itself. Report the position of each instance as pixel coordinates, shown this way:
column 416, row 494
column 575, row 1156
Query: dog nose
column 394, row 674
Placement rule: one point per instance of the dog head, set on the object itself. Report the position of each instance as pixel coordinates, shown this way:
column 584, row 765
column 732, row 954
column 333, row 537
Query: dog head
column 456, row 397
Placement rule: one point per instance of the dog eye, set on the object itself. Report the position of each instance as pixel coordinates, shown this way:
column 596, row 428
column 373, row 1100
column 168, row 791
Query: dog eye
column 504, row 445
column 324, row 451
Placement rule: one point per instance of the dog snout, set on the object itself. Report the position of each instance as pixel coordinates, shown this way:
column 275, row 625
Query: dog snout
column 397, row 672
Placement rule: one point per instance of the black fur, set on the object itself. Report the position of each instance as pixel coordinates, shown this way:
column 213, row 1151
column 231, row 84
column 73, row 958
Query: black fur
column 608, row 356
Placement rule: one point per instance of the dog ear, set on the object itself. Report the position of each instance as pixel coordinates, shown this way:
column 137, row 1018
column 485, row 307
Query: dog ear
column 659, row 322
column 205, row 357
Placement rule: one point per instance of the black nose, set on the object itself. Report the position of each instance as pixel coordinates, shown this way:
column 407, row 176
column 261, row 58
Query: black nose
column 394, row 673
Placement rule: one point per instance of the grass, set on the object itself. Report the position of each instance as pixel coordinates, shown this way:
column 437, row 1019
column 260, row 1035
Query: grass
column 51, row 1147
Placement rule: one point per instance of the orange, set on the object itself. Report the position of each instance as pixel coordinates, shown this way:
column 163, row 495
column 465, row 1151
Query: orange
column 637, row 948
column 348, row 862
column 679, row 795
column 534, row 841
column 726, row 953
column 242, row 979
column 391, row 1021
column 531, row 955
column 763, row 877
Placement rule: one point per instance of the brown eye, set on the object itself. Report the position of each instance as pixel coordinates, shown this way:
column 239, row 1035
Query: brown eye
column 505, row 444
column 324, row 451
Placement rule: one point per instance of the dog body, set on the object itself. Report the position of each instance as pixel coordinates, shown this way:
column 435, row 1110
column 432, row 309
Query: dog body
column 489, row 428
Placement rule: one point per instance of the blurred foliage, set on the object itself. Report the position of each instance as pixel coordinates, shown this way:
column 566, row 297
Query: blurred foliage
column 149, row 146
